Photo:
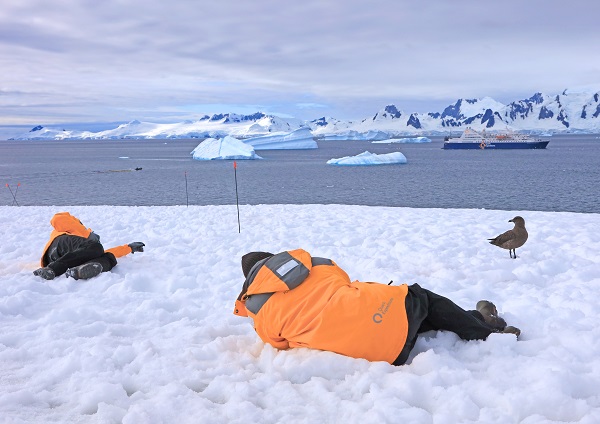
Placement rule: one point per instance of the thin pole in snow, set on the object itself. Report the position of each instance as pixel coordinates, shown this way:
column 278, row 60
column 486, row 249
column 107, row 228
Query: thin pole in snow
column 187, row 199
column 14, row 195
column 16, row 191
column 237, row 202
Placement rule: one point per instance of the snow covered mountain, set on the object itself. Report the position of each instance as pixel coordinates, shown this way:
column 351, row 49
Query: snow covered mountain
column 215, row 126
column 570, row 111
column 565, row 112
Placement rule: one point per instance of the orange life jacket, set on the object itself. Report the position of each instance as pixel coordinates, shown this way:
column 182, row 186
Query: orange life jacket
column 65, row 223
column 301, row 301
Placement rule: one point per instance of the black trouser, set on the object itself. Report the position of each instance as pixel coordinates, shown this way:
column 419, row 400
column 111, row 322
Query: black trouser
column 427, row 311
column 90, row 251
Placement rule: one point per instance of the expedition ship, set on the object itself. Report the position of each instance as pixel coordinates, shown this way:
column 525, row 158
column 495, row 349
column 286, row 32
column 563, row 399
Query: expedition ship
column 471, row 139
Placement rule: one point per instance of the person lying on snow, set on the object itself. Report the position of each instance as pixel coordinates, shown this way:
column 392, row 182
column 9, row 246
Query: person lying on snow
column 298, row 300
column 76, row 251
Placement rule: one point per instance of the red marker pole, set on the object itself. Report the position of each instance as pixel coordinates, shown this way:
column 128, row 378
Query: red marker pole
column 237, row 203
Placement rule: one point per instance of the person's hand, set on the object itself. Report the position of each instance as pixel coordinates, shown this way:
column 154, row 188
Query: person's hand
column 136, row 246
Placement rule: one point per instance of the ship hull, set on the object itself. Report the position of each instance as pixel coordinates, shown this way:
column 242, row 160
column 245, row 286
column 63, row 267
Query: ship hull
column 450, row 145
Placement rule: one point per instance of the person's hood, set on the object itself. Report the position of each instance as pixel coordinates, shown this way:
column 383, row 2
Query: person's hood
column 279, row 273
column 64, row 222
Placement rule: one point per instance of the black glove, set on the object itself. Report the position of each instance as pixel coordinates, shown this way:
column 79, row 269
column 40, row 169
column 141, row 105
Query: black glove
column 136, row 246
column 94, row 237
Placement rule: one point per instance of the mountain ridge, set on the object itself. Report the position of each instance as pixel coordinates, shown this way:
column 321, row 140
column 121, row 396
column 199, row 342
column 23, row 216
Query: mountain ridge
column 569, row 111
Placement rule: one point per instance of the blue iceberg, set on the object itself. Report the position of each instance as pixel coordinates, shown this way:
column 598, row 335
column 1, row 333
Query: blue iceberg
column 223, row 148
column 368, row 158
column 299, row 139
column 405, row 140
column 355, row 135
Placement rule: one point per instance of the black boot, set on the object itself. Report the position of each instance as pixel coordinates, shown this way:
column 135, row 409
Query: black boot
column 46, row 273
column 85, row 271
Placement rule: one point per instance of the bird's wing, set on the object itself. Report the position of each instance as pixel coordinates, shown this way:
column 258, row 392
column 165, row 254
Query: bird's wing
column 504, row 237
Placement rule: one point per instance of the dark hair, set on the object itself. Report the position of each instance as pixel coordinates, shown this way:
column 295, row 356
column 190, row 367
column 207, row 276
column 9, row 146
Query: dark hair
column 250, row 259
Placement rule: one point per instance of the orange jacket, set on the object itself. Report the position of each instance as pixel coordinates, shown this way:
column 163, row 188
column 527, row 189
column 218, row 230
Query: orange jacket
column 65, row 223
column 301, row 301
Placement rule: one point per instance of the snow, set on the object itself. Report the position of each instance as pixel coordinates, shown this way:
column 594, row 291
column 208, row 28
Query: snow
column 216, row 126
column 479, row 106
column 405, row 140
column 155, row 339
column 223, row 148
column 367, row 158
column 301, row 138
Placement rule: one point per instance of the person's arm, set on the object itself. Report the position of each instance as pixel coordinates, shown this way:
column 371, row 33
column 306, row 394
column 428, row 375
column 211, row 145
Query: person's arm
column 119, row 251
column 126, row 249
column 276, row 341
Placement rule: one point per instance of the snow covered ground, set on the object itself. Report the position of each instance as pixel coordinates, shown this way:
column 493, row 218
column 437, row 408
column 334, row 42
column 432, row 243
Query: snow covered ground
column 155, row 340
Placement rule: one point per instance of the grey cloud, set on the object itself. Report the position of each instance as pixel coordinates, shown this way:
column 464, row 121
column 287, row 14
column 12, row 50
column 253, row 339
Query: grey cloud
column 349, row 55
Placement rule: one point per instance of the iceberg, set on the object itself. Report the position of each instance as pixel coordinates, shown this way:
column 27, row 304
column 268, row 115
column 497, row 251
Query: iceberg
column 223, row 148
column 405, row 140
column 301, row 138
column 368, row 158
column 355, row 135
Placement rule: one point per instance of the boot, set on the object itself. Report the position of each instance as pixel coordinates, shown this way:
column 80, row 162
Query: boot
column 512, row 330
column 46, row 273
column 85, row 271
column 490, row 314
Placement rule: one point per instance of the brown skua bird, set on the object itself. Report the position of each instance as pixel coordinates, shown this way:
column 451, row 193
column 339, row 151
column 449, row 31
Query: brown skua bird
column 512, row 239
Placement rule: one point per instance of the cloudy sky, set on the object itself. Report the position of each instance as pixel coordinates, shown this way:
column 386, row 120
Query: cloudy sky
column 65, row 61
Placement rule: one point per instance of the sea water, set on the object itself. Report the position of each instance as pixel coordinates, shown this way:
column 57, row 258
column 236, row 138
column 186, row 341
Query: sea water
column 563, row 177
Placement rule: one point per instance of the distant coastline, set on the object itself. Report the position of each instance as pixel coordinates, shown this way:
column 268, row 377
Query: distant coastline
column 564, row 113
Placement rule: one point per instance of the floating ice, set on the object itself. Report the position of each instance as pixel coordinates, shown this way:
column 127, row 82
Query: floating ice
column 223, row 148
column 405, row 140
column 299, row 139
column 368, row 158
column 355, row 135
